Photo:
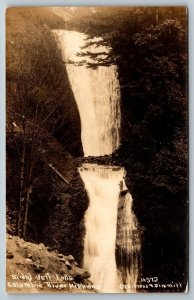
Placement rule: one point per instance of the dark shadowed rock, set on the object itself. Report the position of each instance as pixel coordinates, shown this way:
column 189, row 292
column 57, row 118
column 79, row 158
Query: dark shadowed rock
column 38, row 268
column 9, row 255
column 79, row 274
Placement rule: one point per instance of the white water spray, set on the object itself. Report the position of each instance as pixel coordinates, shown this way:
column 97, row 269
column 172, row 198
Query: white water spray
column 97, row 94
column 127, row 242
column 102, row 185
column 109, row 221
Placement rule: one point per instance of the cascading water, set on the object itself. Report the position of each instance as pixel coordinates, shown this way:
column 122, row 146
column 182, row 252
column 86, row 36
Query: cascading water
column 97, row 95
column 102, row 185
column 109, row 221
column 128, row 243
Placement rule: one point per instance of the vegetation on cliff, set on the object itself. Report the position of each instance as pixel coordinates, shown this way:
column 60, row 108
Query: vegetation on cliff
column 149, row 46
column 43, row 134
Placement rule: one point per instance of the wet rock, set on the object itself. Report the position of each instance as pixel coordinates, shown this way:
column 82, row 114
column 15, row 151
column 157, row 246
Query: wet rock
column 77, row 273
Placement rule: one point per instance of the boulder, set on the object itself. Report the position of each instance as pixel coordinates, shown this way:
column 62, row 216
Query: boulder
column 79, row 274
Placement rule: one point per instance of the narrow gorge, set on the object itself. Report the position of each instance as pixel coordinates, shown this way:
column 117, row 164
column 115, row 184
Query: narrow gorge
column 112, row 241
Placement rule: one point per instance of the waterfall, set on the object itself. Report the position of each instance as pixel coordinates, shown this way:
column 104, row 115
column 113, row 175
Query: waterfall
column 111, row 226
column 102, row 185
column 128, row 243
column 96, row 92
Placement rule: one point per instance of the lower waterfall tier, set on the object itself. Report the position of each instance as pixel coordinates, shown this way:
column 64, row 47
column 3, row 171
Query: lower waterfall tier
column 102, row 222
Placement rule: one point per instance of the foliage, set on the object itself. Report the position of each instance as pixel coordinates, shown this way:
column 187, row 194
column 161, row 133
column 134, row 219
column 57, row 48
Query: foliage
column 149, row 46
column 40, row 105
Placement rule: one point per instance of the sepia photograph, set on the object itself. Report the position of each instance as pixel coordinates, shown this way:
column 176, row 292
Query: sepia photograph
column 97, row 150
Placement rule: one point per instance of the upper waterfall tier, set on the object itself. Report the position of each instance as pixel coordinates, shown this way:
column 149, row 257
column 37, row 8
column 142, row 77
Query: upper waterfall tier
column 97, row 93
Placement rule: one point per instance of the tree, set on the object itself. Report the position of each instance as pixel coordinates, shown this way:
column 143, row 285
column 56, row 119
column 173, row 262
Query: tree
column 36, row 89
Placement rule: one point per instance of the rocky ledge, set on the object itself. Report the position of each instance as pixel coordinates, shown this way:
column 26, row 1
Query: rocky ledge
column 35, row 268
